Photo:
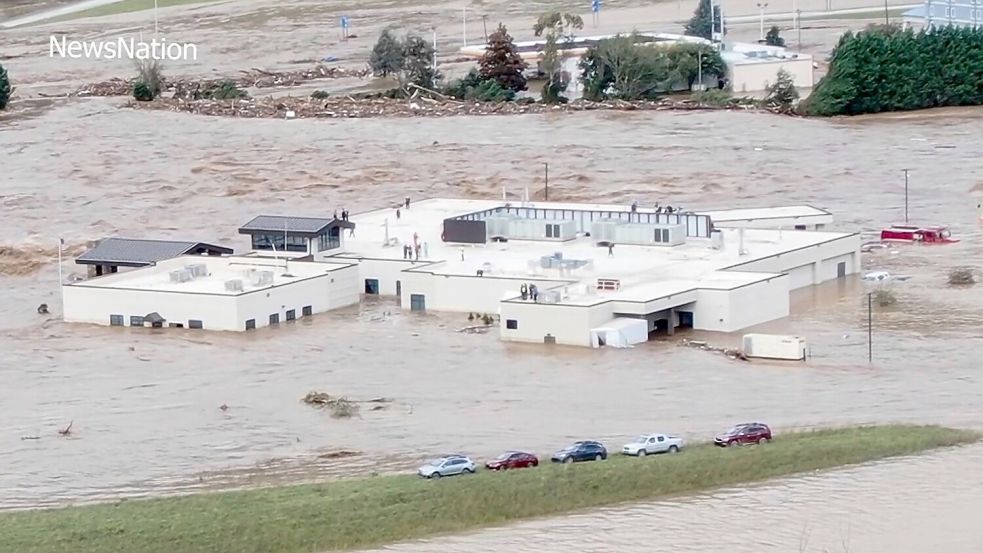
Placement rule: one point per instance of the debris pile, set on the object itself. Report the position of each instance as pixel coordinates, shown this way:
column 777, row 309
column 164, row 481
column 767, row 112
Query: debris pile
column 353, row 107
column 962, row 276
column 341, row 407
column 254, row 78
column 735, row 354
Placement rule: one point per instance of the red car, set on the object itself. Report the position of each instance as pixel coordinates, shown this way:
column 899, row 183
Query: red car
column 744, row 434
column 513, row 460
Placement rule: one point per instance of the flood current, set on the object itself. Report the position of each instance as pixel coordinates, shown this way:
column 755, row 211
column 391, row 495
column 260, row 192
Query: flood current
column 145, row 404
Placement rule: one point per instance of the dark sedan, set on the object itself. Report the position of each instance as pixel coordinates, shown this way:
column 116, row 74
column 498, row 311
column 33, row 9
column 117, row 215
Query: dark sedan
column 513, row 460
column 581, row 451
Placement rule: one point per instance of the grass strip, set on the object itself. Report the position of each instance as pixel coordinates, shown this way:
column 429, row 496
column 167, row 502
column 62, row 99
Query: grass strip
column 126, row 6
column 371, row 511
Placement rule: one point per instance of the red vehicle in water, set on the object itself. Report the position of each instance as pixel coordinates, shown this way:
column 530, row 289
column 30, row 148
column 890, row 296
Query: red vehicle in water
column 513, row 460
column 923, row 235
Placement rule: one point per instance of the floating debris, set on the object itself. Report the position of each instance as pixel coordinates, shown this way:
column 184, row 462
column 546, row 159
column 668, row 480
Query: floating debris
column 341, row 407
column 734, row 354
column 67, row 431
column 340, row 454
column 962, row 276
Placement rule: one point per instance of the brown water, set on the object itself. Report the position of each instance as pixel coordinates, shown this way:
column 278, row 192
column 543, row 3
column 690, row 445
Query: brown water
column 145, row 404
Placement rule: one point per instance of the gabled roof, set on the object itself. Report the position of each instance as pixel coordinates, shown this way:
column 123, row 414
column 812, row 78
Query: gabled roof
column 304, row 226
column 127, row 252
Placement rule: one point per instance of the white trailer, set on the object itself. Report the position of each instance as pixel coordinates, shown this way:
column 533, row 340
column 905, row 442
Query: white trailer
column 774, row 346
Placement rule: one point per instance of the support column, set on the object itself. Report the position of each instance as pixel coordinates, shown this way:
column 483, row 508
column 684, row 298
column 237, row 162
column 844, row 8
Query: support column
column 817, row 272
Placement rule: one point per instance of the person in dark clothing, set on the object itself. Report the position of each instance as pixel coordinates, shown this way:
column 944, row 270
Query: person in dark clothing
column 610, row 250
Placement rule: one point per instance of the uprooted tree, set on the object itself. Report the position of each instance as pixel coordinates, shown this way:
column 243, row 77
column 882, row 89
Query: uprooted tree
column 782, row 95
column 555, row 26
column 774, row 37
column 501, row 61
column 6, row 91
column 149, row 81
column 387, row 55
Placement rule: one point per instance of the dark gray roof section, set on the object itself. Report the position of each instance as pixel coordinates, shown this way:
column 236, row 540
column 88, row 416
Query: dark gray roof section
column 298, row 226
column 127, row 252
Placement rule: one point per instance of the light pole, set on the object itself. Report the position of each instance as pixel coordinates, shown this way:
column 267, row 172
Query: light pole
column 546, row 175
column 887, row 20
column 155, row 19
column 699, row 69
column 761, row 7
column 484, row 26
column 905, row 196
column 464, row 25
column 798, row 27
column 870, row 328
column 434, row 51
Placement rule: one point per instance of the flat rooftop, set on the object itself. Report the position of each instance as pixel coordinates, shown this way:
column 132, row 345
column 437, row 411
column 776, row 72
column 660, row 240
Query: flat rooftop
column 644, row 272
column 219, row 271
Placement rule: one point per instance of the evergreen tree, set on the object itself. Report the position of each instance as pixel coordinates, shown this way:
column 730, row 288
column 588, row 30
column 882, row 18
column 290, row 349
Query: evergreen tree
column 774, row 37
column 782, row 95
column 5, row 89
column 701, row 24
column 502, row 63
column 554, row 26
column 387, row 55
column 417, row 67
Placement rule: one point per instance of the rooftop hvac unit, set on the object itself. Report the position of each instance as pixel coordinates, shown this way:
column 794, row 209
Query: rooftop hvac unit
column 264, row 278
column 234, row 285
column 716, row 239
column 551, row 296
column 181, row 275
column 197, row 269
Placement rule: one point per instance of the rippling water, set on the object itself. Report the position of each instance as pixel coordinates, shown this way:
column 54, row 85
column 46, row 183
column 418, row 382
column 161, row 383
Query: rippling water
column 145, row 404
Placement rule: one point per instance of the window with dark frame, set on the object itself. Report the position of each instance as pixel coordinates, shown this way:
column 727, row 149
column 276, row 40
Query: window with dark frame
column 307, row 311
column 275, row 319
column 136, row 320
column 291, row 315
column 193, row 323
column 251, row 324
column 115, row 320
column 511, row 324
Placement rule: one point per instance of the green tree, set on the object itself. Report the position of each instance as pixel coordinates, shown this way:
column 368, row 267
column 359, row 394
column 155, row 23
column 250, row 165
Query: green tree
column 774, row 37
column 688, row 61
column 6, row 91
column 701, row 24
column 387, row 55
column 418, row 68
column 782, row 95
column 502, row 63
column 149, row 81
column 555, row 26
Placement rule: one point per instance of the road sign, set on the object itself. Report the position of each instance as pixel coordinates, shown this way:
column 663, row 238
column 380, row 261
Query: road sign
column 595, row 6
column 344, row 22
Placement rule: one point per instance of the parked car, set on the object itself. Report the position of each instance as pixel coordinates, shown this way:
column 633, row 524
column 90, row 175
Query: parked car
column 513, row 460
column 743, row 434
column 447, row 466
column 581, row 451
column 652, row 443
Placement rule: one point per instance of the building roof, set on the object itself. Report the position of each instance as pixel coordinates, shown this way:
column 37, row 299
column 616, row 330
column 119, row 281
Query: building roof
column 958, row 13
column 128, row 252
column 304, row 226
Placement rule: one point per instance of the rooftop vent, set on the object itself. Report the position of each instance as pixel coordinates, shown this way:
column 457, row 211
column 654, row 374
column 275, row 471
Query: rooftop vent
column 234, row 285
column 181, row 275
column 197, row 269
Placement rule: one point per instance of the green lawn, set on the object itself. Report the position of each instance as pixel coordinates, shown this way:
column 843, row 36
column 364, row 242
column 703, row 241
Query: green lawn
column 371, row 511
column 127, row 6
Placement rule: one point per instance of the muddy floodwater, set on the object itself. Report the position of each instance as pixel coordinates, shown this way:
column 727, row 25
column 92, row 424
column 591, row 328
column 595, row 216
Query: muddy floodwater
column 145, row 404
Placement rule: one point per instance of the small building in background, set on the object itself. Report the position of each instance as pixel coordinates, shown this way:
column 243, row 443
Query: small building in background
column 944, row 13
column 108, row 255
column 313, row 237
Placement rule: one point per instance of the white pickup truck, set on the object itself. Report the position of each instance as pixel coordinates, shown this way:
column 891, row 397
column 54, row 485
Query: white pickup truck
column 653, row 443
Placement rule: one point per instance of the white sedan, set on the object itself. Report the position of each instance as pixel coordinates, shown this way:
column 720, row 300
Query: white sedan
column 653, row 443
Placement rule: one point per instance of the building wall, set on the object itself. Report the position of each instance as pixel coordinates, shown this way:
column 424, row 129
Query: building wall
column 733, row 310
column 568, row 324
column 821, row 260
column 463, row 293
column 755, row 77
column 216, row 311
column 386, row 271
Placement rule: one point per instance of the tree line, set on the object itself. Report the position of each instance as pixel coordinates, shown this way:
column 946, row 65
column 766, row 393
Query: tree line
column 885, row 68
column 6, row 90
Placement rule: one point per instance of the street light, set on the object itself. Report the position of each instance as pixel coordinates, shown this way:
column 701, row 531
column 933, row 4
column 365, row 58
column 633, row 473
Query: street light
column 762, row 6
column 905, row 196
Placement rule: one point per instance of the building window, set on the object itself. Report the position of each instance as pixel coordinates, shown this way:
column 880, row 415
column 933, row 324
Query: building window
column 665, row 235
column 195, row 324
column 552, row 231
column 511, row 324
column 291, row 315
column 329, row 241
column 251, row 324
column 658, row 235
column 307, row 311
column 275, row 319
column 115, row 320
column 176, row 325
column 279, row 242
column 136, row 320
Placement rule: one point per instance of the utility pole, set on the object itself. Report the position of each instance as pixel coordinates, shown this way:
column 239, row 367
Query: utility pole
column 546, row 175
column 761, row 7
column 887, row 20
column 906, row 196
column 435, row 51
column 870, row 328
column 699, row 68
column 155, row 20
column 464, row 25
column 484, row 26
column 798, row 26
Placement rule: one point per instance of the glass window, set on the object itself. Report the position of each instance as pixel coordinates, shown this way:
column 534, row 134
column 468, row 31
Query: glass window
column 511, row 324
column 329, row 241
column 251, row 324
column 136, row 320
column 279, row 242
column 291, row 315
column 307, row 311
column 275, row 319
column 195, row 324
column 116, row 320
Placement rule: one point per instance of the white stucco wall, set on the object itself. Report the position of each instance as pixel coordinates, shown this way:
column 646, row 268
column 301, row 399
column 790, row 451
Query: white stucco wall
column 462, row 293
column 386, row 271
column 820, row 260
column 756, row 77
column 94, row 304
column 569, row 324
column 733, row 310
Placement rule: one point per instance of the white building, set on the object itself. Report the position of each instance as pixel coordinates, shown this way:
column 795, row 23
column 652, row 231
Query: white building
column 722, row 270
column 941, row 13
column 577, row 274
column 215, row 293
column 750, row 67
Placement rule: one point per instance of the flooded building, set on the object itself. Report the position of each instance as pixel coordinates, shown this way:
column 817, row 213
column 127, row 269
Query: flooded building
column 576, row 274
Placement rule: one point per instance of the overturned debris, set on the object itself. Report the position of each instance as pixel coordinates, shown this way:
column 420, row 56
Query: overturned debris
column 735, row 354
column 254, row 78
column 362, row 107
column 342, row 407
column 340, row 454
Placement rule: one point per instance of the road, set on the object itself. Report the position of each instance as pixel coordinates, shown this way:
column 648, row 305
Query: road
column 54, row 12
